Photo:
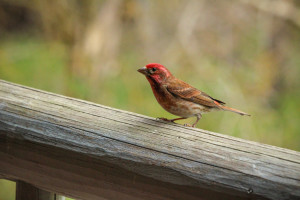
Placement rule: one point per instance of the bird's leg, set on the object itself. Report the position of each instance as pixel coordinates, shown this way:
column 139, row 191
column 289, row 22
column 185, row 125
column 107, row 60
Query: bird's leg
column 170, row 120
column 197, row 120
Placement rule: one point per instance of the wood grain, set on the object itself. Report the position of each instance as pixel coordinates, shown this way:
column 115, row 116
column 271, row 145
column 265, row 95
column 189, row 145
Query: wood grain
column 90, row 151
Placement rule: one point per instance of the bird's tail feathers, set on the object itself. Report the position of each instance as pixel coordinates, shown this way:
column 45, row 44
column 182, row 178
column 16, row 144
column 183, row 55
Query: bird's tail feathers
column 234, row 110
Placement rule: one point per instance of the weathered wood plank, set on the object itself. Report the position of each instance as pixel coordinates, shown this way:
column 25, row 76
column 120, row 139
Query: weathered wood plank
column 82, row 177
column 168, row 153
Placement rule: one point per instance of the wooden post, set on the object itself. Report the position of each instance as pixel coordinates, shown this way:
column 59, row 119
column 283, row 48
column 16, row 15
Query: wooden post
column 28, row 191
column 89, row 151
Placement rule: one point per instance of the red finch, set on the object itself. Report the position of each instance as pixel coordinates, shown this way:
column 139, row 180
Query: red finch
column 178, row 97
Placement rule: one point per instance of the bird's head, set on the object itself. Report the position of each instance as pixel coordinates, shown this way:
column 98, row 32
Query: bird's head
column 155, row 73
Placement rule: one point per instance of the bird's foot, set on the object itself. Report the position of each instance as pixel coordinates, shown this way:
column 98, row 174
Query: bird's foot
column 165, row 119
column 190, row 125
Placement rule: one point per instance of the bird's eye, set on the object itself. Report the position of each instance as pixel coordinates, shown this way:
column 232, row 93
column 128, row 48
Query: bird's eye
column 154, row 69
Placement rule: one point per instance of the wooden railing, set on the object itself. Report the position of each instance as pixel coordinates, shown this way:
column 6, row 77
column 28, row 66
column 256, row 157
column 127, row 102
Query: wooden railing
column 89, row 151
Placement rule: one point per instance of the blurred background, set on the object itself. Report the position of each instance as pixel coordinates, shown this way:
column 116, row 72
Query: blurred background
column 243, row 52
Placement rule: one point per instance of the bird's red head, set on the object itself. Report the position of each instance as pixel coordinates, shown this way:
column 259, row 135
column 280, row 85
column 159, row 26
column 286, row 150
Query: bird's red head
column 155, row 73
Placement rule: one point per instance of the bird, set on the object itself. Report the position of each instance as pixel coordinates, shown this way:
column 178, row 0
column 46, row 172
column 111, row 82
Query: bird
column 180, row 98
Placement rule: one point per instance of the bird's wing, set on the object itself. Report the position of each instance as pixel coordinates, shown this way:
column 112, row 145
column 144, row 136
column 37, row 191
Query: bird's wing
column 185, row 91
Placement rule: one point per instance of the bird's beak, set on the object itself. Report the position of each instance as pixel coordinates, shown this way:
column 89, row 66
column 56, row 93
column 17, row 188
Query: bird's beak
column 143, row 70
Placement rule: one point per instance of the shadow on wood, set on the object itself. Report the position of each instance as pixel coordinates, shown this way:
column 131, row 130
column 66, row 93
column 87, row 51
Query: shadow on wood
column 75, row 174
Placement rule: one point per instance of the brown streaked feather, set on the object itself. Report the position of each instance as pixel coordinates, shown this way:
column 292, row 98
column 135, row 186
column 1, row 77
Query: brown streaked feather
column 189, row 93
column 219, row 101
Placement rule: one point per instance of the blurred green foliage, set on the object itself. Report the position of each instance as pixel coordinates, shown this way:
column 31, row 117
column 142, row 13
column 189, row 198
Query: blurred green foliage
column 241, row 53
column 7, row 190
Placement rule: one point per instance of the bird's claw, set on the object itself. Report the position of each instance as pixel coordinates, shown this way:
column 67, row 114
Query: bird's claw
column 189, row 125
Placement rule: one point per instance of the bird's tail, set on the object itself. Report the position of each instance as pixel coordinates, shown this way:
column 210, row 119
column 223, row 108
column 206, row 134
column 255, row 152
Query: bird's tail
column 233, row 110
